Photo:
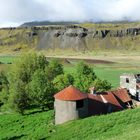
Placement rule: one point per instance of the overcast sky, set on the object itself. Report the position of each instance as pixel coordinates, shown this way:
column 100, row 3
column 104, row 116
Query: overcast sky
column 15, row 12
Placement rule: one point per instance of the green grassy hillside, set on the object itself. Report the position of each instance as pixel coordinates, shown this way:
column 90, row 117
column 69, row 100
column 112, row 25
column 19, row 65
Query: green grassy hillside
column 39, row 126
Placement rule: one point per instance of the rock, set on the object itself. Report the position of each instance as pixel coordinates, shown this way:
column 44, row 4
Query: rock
column 17, row 49
column 104, row 33
column 82, row 35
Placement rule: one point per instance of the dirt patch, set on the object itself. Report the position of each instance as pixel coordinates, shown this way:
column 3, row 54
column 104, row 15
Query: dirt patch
column 95, row 61
column 91, row 61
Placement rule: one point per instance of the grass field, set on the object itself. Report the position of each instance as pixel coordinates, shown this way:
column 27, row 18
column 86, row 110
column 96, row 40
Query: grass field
column 107, row 71
column 39, row 126
column 110, row 73
column 29, row 127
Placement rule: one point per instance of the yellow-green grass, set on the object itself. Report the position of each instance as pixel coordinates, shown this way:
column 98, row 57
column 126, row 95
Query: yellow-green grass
column 110, row 25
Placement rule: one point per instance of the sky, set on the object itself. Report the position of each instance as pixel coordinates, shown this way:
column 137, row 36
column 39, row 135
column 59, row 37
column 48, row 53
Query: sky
column 16, row 12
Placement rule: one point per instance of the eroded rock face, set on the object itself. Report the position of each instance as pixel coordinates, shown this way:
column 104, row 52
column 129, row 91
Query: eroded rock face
column 70, row 36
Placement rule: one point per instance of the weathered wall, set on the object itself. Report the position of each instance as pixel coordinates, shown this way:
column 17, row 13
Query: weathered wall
column 66, row 111
column 131, row 86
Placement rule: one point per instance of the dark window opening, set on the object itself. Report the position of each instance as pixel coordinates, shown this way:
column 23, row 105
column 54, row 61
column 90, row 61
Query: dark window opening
column 127, row 80
column 79, row 104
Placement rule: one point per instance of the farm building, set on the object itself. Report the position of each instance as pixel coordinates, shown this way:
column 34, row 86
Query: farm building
column 71, row 104
column 132, row 83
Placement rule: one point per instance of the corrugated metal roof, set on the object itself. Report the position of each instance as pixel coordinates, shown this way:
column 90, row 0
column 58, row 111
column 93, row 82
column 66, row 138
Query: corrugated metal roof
column 122, row 94
column 105, row 97
column 110, row 98
column 70, row 94
column 94, row 97
column 95, row 105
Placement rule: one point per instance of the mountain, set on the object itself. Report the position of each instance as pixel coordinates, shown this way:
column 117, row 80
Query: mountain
column 45, row 23
column 74, row 38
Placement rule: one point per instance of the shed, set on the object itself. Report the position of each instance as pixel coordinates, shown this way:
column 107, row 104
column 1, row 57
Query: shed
column 70, row 104
column 123, row 97
column 111, row 102
column 96, row 106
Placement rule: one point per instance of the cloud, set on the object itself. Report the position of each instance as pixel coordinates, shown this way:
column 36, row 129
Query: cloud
column 13, row 12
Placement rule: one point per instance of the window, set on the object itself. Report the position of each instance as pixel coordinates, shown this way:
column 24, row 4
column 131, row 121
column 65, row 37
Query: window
column 79, row 104
column 127, row 80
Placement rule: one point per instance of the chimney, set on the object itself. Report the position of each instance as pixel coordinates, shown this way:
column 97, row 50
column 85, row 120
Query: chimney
column 92, row 90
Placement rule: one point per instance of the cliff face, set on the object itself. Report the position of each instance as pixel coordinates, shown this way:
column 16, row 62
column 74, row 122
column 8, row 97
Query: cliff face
column 65, row 37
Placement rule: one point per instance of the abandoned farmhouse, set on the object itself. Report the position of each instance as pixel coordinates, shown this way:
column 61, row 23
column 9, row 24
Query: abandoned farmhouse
column 132, row 83
column 71, row 104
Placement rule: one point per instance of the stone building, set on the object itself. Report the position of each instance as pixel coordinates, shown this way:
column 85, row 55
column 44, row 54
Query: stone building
column 132, row 83
column 71, row 104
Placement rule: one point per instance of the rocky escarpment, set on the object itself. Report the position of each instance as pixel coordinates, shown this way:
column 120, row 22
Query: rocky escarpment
column 70, row 36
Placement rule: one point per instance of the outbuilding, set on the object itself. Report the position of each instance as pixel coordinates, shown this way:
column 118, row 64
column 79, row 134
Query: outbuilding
column 70, row 104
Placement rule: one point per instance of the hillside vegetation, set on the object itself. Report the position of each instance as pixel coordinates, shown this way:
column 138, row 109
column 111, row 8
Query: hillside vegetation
column 39, row 126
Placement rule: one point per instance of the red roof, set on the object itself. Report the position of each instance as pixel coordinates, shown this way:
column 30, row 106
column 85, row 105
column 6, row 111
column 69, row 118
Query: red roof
column 122, row 94
column 70, row 94
column 110, row 98
column 95, row 97
column 105, row 97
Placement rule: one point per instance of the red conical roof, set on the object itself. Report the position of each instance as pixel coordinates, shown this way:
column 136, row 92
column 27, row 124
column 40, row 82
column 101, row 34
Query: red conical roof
column 70, row 94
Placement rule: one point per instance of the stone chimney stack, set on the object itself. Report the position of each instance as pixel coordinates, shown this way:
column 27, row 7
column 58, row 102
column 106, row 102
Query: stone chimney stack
column 92, row 90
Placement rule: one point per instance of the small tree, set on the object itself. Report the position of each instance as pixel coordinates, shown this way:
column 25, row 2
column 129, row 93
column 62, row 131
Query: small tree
column 102, row 85
column 54, row 69
column 62, row 81
column 41, row 90
column 84, row 77
column 19, row 98
column 4, row 88
column 20, row 77
column 3, row 80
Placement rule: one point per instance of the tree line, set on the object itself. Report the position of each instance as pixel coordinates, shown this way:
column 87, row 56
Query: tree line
column 32, row 81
